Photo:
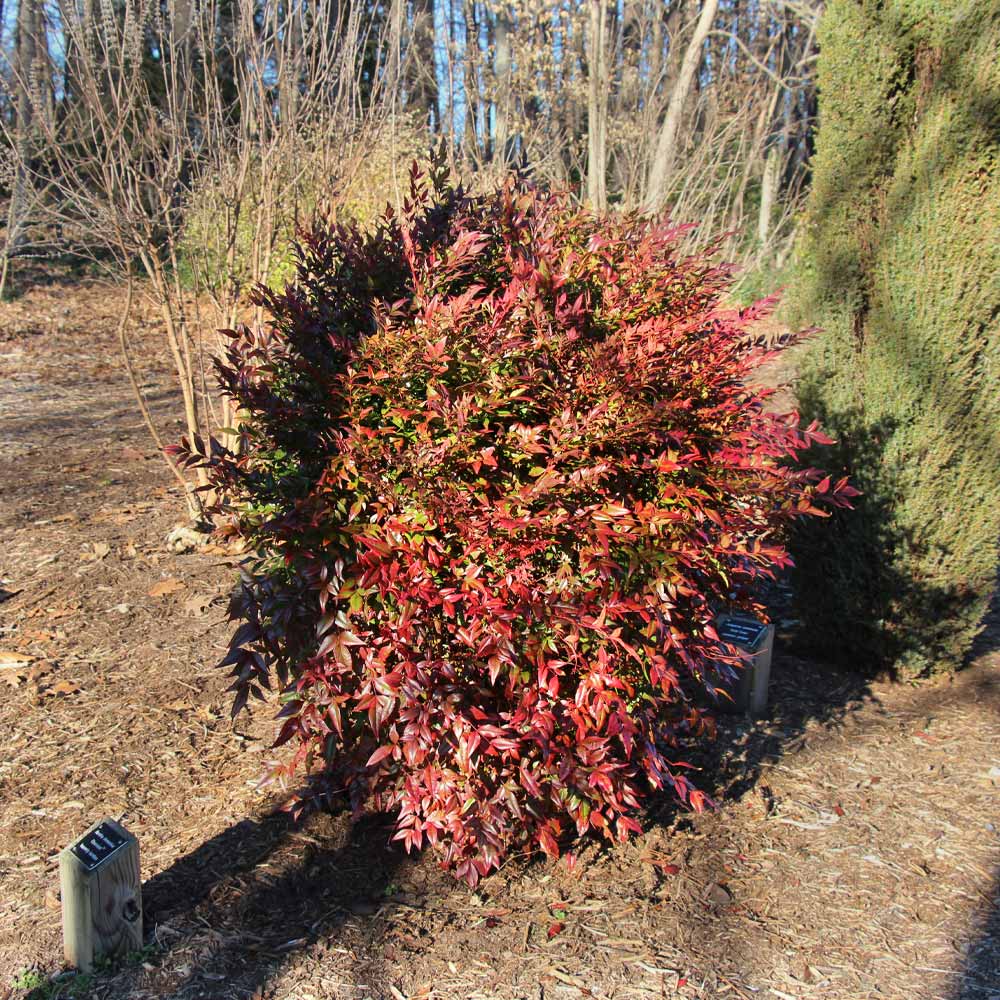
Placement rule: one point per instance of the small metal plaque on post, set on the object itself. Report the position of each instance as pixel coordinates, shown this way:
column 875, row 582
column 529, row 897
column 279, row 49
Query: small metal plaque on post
column 756, row 639
column 101, row 895
column 743, row 632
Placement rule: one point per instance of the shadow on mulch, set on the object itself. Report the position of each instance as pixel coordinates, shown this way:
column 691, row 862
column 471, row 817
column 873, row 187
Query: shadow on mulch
column 808, row 695
column 266, row 890
column 981, row 976
column 230, row 914
column 804, row 698
column 49, row 266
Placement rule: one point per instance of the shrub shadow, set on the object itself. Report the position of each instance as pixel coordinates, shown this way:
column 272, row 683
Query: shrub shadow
column 981, row 975
column 980, row 978
column 805, row 698
column 223, row 920
column 810, row 695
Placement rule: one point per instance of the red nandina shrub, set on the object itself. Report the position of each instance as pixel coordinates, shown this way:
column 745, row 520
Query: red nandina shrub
column 502, row 469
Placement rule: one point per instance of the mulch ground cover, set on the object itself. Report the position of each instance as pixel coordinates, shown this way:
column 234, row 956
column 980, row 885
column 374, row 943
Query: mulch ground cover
column 854, row 854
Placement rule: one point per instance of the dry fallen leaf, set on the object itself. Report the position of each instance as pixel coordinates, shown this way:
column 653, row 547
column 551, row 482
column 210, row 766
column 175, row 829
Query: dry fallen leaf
column 63, row 687
column 63, row 612
column 231, row 547
column 16, row 674
column 38, row 635
column 99, row 551
column 662, row 861
column 14, row 667
column 718, row 895
column 169, row 586
column 11, row 658
column 198, row 604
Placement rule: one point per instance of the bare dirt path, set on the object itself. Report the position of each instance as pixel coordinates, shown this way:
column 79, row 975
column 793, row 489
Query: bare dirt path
column 855, row 854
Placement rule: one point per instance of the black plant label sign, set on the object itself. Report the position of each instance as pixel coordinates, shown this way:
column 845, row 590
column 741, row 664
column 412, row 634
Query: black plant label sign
column 98, row 845
column 746, row 632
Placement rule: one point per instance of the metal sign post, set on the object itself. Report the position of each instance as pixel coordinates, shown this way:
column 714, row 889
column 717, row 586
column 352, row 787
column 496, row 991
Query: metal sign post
column 755, row 638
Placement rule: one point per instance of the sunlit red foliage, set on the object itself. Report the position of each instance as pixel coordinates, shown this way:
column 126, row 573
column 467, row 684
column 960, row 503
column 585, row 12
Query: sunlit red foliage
column 503, row 469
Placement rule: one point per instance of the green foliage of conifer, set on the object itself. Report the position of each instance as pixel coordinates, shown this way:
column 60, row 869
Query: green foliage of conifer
column 900, row 266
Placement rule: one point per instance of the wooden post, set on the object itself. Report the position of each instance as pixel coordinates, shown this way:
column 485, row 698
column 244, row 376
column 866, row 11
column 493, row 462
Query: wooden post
column 101, row 895
column 757, row 640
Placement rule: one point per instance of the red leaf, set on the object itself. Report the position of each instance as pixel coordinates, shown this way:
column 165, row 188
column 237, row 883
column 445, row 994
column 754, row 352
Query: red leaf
column 548, row 844
column 379, row 755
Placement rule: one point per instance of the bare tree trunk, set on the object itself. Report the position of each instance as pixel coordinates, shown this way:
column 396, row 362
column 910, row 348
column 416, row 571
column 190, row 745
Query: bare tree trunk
column 471, row 80
column 597, row 107
column 574, row 59
column 656, row 52
column 452, row 87
column 501, row 70
column 423, row 89
column 666, row 144
column 289, row 65
column 25, row 52
column 777, row 143
column 768, row 192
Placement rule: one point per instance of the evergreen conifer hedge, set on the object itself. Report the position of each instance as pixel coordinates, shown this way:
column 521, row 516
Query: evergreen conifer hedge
column 900, row 266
